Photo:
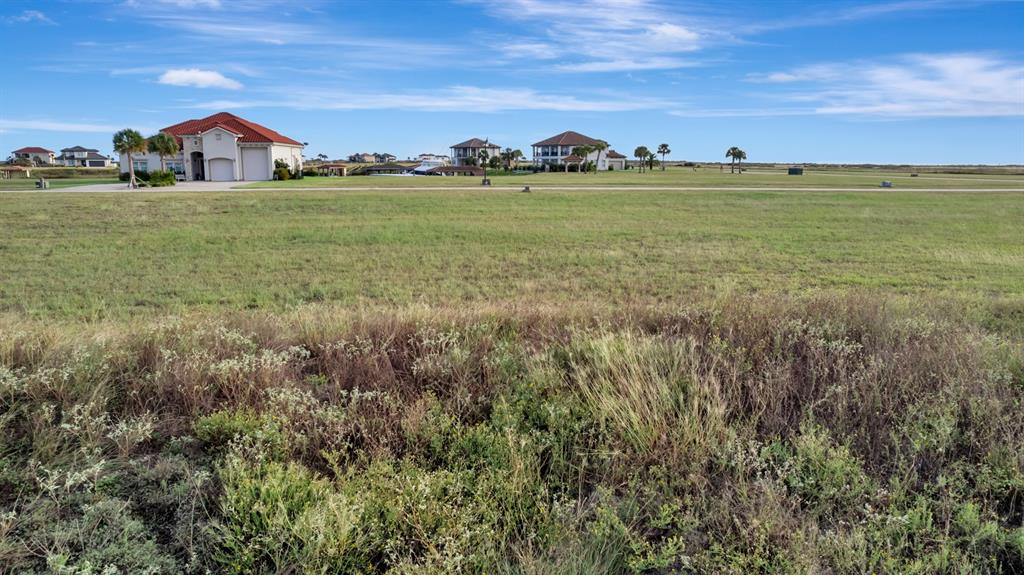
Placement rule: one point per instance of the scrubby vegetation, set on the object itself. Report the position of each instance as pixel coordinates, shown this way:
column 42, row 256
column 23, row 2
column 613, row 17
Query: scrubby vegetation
column 748, row 435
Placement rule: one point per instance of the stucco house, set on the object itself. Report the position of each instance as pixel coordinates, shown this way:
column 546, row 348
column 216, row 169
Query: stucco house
column 34, row 154
column 556, row 151
column 470, row 149
column 223, row 148
column 80, row 157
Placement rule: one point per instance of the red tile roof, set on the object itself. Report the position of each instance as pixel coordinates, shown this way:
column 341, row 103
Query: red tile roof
column 614, row 155
column 250, row 131
column 572, row 158
column 476, row 143
column 33, row 150
column 568, row 139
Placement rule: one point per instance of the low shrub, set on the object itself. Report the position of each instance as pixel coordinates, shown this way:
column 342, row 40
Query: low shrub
column 160, row 178
column 140, row 175
column 282, row 174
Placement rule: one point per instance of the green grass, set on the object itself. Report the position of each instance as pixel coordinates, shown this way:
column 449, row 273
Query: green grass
column 682, row 177
column 55, row 184
column 113, row 255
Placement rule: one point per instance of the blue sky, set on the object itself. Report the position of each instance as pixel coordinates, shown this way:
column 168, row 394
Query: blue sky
column 909, row 81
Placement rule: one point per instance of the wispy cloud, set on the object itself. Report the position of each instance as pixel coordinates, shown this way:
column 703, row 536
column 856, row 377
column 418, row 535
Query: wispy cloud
column 914, row 85
column 449, row 99
column 603, row 35
column 197, row 78
column 29, row 16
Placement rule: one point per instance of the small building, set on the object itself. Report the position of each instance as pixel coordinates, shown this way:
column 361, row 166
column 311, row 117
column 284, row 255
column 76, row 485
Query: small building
column 223, row 148
column 7, row 171
column 80, row 157
column 557, row 152
column 468, row 152
column 36, row 155
column 614, row 160
column 332, row 169
column 386, row 170
column 795, row 172
column 450, row 170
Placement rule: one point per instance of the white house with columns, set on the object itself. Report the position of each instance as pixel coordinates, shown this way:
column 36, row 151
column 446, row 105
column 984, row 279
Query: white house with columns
column 223, row 148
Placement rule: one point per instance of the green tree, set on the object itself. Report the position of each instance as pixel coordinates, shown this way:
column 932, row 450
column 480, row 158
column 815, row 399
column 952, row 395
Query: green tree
column 736, row 155
column 641, row 153
column 582, row 151
column 651, row 158
column 664, row 150
column 164, row 145
column 126, row 143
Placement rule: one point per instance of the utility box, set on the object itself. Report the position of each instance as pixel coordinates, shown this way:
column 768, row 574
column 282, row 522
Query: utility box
column 796, row 171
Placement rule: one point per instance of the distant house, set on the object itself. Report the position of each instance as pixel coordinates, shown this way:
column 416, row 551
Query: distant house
column 384, row 158
column 556, row 152
column 223, row 148
column 79, row 157
column 34, row 154
column 434, row 158
column 363, row 158
column 470, row 149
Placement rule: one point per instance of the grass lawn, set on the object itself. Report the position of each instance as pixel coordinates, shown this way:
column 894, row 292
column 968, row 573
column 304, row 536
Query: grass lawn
column 30, row 183
column 69, row 255
column 683, row 177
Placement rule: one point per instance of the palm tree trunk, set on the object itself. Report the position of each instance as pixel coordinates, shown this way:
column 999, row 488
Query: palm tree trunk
column 663, row 161
column 131, row 172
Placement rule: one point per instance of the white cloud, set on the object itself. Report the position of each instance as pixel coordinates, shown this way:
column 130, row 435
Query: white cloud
column 907, row 86
column 603, row 35
column 54, row 126
column 30, row 16
column 449, row 99
column 198, row 78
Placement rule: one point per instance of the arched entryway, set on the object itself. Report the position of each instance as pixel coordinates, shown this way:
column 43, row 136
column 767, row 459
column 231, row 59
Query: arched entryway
column 198, row 169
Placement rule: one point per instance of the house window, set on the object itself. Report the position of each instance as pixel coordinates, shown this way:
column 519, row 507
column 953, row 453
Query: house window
column 176, row 166
column 140, row 165
column 217, row 136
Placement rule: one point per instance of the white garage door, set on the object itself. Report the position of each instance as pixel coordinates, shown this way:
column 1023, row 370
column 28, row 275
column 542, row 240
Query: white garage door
column 255, row 165
column 222, row 170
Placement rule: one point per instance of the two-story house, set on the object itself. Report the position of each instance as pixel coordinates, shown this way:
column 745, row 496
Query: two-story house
column 557, row 152
column 223, row 148
column 468, row 152
column 35, row 154
column 79, row 157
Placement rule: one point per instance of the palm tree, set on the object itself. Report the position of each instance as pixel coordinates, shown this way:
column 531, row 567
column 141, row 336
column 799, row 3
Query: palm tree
column 664, row 151
column 651, row 158
column 483, row 156
column 162, row 144
column 126, row 143
column 516, row 154
column 322, row 157
column 599, row 147
column 511, row 157
column 641, row 153
column 739, row 160
column 734, row 154
column 581, row 151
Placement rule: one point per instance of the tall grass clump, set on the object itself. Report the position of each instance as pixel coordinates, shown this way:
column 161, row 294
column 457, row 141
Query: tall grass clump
column 756, row 434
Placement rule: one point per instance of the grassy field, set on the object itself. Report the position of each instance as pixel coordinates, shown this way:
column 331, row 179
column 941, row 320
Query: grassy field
column 66, row 255
column 682, row 177
column 578, row 382
column 55, row 184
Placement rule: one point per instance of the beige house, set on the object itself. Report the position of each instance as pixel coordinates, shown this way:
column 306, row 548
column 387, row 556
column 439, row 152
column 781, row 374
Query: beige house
column 470, row 149
column 224, row 148
column 557, row 152
column 34, row 154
